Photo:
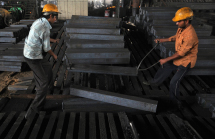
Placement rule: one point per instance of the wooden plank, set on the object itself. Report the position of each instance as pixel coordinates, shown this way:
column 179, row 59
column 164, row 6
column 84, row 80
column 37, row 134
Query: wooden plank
column 102, row 126
column 82, row 126
column 112, row 126
column 50, row 125
column 71, row 126
column 60, row 124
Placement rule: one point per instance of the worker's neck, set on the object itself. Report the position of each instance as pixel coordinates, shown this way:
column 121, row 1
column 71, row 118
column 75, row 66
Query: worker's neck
column 186, row 26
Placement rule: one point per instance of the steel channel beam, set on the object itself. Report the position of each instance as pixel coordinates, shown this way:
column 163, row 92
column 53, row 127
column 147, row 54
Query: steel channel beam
column 76, row 44
column 115, row 98
column 96, row 37
column 93, row 31
column 112, row 70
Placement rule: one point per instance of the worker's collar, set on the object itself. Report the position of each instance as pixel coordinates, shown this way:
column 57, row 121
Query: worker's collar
column 180, row 30
column 46, row 22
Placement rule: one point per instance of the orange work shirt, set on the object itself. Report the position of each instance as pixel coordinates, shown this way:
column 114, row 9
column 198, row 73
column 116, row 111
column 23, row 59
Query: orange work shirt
column 186, row 45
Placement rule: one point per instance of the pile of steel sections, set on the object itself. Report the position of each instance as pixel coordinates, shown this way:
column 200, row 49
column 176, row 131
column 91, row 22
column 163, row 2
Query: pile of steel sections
column 95, row 40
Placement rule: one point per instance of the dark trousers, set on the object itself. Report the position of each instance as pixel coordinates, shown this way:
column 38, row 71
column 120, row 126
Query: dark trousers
column 164, row 72
column 43, row 79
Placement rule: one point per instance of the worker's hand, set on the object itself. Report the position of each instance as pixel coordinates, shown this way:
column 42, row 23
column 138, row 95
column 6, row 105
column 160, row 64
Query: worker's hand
column 159, row 40
column 162, row 61
column 57, row 40
column 55, row 57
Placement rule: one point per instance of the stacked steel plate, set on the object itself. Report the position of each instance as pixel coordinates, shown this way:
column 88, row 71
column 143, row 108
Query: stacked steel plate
column 95, row 40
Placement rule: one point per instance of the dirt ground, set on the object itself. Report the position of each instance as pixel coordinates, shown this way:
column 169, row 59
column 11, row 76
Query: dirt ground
column 10, row 78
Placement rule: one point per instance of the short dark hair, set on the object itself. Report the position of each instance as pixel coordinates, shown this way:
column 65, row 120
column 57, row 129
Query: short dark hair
column 48, row 16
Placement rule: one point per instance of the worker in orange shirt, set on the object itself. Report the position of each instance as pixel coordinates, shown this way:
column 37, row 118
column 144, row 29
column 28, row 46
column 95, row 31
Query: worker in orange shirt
column 186, row 49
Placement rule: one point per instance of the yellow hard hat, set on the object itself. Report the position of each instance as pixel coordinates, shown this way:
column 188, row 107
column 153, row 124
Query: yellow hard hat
column 50, row 8
column 182, row 14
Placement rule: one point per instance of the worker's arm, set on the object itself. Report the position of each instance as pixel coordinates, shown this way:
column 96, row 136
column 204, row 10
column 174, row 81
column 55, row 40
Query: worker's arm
column 52, row 54
column 163, row 61
column 170, row 39
column 54, row 40
column 46, row 44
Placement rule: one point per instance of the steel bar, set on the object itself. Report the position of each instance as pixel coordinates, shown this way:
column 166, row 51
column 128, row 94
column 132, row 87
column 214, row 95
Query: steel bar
column 79, row 17
column 96, row 37
column 112, row 70
column 93, row 44
column 97, row 53
column 115, row 23
column 11, row 40
column 114, row 98
column 201, row 71
column 17, row 87
column 89, row 25
column 101, row 61
column 93, row 31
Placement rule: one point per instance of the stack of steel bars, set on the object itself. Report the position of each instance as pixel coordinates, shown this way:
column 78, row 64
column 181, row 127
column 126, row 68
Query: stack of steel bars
column 11, row 56
column 95, row 40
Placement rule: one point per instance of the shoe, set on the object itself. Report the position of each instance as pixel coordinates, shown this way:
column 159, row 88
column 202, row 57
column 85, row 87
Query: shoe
column 146, row 83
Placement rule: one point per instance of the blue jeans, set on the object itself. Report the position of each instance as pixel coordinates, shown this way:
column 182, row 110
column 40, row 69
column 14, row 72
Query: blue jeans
column 164, row 72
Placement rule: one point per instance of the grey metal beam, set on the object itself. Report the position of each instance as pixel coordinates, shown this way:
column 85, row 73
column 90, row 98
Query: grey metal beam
column 116, row 23
column 112, row 70
column 80, row 44
column 114, row 98
column 97, row 53
column 92, row 31
column 79, row 17
column 11, row 40
column 89, row 25
column 202, row 71
column 96, row 37
column 101, row 61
